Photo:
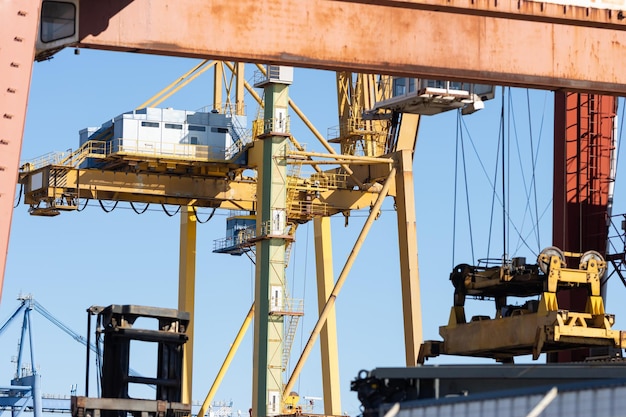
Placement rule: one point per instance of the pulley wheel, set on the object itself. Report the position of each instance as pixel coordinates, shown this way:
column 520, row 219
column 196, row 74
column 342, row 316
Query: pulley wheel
column 543, row 260
column 593, row 255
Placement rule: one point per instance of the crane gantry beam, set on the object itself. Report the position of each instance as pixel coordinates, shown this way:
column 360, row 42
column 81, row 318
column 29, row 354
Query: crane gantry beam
column 603, row 14
column 333, row 35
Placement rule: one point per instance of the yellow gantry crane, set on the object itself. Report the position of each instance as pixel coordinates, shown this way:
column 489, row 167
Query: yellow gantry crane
column 377, row 137
column 196, row 176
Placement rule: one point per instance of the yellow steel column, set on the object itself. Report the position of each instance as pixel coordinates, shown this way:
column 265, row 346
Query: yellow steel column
column 407, row 236
column 240, row 89
column 229, row 358
column 218, row 77
column 186, row 290
column 328, row 335
column 407, row 135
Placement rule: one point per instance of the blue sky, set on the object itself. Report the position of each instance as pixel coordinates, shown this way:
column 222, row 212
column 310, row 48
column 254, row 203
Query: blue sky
column 76, row 260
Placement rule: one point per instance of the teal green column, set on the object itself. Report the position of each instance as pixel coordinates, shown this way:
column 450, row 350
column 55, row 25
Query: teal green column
column 270, row 252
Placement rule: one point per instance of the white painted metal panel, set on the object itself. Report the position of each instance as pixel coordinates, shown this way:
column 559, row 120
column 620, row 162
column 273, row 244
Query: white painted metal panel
column 607, row 401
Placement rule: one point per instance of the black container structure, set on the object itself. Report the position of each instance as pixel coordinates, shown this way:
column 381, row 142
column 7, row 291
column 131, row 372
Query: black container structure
column 115, row 326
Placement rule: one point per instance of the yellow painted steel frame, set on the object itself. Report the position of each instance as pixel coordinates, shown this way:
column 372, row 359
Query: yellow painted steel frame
column 51, row 183
column 229, row 358
column 239, row 194
column 407, row 235
column 549, row 329
column 328, row 335
column 186, row 291
column 330, row 302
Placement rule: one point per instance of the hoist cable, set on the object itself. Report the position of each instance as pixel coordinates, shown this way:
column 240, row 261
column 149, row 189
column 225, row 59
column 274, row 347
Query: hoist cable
column 523, row 239
column 210, row 215
column 504, row 206
column 489, row 180
column 533, row 181
column 469, row 217
column 105, row 209
column 456, row 174
column 494, row 194
column 132, row 205
column 168, row 213
column 527, row 188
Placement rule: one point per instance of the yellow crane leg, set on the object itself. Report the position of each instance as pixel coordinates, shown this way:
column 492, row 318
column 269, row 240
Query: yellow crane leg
column 407, row 236
column 240, row 89
column 229, row 358
column 407, row 136
column 186, row 290
column 330, row 303
column 328, row 335
column 218, row 85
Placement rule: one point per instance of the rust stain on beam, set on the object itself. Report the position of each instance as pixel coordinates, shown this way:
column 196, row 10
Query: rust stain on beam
column 338, row 35
column 520, row 10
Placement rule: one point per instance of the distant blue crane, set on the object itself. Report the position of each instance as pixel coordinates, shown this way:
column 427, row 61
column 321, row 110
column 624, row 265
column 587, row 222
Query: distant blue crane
column 24, row 393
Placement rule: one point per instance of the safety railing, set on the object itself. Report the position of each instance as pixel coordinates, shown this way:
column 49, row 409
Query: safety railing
column 243, row 237
column 103, row 149
column 268, row 126
column 287, row 306
column 90, row 149
column 329, row 181
column 51, row 158
column 308, row 209
column 353, row 127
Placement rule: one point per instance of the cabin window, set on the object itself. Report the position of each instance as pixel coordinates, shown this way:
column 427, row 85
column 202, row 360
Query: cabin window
column 150, row 124
column 58, row 20
column 173, row 126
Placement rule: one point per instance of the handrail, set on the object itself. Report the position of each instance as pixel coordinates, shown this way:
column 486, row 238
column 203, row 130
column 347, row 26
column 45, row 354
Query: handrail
column 119, row 146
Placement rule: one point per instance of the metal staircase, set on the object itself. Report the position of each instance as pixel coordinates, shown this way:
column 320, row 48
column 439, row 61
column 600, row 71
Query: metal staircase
column 293, row 311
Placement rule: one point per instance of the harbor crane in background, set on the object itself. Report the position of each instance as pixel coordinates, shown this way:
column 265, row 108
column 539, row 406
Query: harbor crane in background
column 513, row 33
column 24, row 393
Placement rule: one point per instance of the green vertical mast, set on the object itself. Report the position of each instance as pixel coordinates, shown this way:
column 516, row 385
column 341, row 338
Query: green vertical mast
column 270, row 294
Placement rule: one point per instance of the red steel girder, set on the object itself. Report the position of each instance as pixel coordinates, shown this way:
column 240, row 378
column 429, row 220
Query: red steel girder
column 338, row 35
column 583, row 151
column 539, row 11
column 17, row 51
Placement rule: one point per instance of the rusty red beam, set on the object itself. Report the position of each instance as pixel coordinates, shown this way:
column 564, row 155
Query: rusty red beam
column 338, row 35
column 610, row 17
column 17, row 51
column 584, row 145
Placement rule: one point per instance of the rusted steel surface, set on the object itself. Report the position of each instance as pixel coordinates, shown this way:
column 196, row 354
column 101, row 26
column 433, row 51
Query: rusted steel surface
column 17, row 50
column 608, row 15
column 339, row 35
column 583, row 148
